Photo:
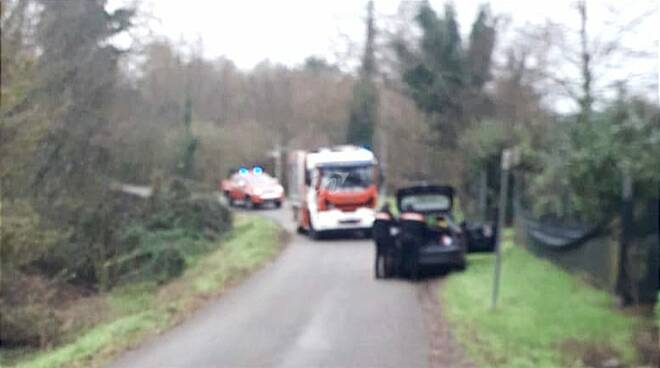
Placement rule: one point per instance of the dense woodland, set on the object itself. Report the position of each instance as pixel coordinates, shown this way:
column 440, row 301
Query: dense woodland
column 81, row 114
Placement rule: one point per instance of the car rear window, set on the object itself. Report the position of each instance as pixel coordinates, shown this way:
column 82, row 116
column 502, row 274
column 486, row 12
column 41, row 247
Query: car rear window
column 426, row 202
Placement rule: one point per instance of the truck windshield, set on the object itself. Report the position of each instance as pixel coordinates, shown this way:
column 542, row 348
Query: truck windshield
column 346, row 177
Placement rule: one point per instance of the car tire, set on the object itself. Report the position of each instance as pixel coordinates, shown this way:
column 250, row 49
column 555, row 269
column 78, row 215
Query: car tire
column 248, row 204
column 379, row 267
column 389, row 266
column 278, row 204
column 414, row 272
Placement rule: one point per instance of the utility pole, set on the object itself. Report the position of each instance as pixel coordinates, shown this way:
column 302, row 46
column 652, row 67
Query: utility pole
column 276, row 154
column 625, row 287
column 507, row 158
column 483, row 193
column 382, row 156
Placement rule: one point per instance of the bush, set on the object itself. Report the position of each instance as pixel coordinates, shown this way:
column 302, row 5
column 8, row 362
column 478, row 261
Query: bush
column 177, row 207
column 26, row 318
column 23, row 238
column 177, row 226
column 123, row 239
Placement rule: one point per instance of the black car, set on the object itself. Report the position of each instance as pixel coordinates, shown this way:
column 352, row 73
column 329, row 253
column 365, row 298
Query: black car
column 424, row 234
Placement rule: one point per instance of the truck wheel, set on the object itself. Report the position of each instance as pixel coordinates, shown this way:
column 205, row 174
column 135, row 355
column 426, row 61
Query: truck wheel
column 316, row 235
column 367, row 234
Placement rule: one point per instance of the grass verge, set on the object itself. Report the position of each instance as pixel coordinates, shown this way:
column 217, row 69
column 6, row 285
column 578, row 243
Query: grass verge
column 138, row 311
column 545, row 317
column 657, row 312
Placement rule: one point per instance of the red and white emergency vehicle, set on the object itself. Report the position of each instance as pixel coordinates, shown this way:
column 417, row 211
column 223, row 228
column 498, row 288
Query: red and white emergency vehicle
column 333, row 188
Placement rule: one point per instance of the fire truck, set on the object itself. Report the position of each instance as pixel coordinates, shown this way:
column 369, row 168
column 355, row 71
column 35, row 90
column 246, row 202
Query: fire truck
column 333, row 189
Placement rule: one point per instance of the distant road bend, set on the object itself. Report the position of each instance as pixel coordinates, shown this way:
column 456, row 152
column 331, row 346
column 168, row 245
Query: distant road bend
column 317, row 305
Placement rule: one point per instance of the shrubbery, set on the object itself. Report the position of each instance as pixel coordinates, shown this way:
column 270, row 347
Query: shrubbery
column 585, row 162
column 180, row 226
column 24, row 312
column 127, row 239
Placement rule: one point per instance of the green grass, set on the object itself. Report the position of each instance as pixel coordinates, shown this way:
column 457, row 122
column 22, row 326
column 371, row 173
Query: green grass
column 657, row 311
column 544, row 317
column 138, row 311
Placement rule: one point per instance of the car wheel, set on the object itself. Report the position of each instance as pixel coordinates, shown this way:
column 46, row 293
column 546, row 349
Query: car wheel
column 248, row 203
column 278, row 204
column 379, row 270
column 414, row 271
column 389, row 266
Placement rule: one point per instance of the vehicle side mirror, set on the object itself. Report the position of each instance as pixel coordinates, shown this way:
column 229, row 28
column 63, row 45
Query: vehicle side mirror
column 316, row 179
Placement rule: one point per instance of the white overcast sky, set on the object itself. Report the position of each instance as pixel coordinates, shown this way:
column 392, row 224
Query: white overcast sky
column 287, row 31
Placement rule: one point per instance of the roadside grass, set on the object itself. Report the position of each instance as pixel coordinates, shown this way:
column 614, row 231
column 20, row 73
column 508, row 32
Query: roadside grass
column 138, row 311
column 657, row 312
column 545, row 317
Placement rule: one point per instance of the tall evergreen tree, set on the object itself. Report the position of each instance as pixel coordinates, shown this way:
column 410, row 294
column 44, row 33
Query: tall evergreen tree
column 363, row 110
column 480, row 49
column 189, row 143
column 444, row 78
column 78, row 72
column 78, row 68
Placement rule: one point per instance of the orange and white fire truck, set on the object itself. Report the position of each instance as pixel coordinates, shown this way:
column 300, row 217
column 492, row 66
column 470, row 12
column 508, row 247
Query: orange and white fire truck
column 333, row 188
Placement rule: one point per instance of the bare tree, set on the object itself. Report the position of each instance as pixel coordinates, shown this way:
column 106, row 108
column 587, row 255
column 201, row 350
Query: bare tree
column 588, row 64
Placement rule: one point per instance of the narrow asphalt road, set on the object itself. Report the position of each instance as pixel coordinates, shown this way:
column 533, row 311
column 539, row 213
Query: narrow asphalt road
column 317, row 305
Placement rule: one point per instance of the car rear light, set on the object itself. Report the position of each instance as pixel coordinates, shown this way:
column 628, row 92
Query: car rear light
column 412, row 216
column 383, row 216
column 446, row 240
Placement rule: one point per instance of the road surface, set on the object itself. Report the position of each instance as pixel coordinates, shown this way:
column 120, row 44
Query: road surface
column 317, row 305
